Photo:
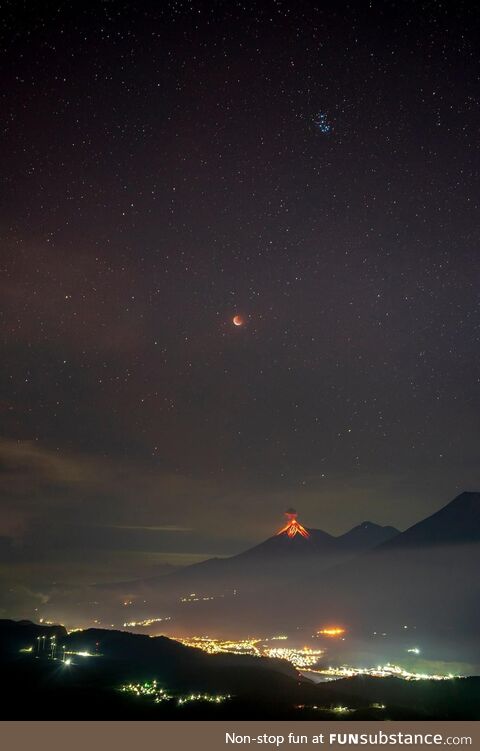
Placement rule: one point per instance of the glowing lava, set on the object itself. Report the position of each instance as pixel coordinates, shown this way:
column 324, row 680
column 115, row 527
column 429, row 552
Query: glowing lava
column 293, row 527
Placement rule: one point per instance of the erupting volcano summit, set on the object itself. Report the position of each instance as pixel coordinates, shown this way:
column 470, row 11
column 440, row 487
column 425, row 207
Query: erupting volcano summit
column 293, row 527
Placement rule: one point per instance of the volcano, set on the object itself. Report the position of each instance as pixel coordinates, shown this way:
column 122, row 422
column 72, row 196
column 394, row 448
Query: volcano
column 372, row 576
column 293, row 527
column 292, row 553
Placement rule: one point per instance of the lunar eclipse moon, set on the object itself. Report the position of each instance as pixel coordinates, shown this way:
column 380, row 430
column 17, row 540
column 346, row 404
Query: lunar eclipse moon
column 238, row 320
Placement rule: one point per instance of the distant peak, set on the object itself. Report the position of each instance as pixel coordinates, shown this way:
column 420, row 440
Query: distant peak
column 457, row 522
column 466, row 502
column 367, row 534
column 364, row 525
column 372, row 525
column 467, row 497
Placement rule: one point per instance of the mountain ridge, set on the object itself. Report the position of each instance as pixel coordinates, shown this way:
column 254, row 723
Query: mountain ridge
column 458, row 520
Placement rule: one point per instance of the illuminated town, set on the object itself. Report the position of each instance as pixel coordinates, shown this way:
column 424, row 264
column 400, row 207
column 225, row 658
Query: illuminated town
column 145, row 623
column 193, row 597
column 152, row 690
column 338, row 709
column 216, row 646
column 309, row 660
column 382, row 671
column 300, row 658
column 304, row 657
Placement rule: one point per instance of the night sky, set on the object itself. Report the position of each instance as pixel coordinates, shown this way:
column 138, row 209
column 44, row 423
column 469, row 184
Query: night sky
column 165, row 166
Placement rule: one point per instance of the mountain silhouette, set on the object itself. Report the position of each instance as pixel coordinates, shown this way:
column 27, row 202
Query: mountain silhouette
column 279, row 556
column 371, row 577
column 427, row 575
column 456, row 523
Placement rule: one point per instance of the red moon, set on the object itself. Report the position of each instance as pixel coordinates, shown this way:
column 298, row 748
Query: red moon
column 238, row 320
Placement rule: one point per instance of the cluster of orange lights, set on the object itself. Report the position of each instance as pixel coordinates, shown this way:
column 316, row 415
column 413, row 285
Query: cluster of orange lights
column 333, row 632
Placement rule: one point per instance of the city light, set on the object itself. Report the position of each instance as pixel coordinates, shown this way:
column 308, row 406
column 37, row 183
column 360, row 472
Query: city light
column 304, row 659
column 158, row 694
column 215, row 646
column 146, row 622
column 300, row 658
column 199, row 598
column 339, row 709
column 333, row 631
column 216, row 699
column 382, row 671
